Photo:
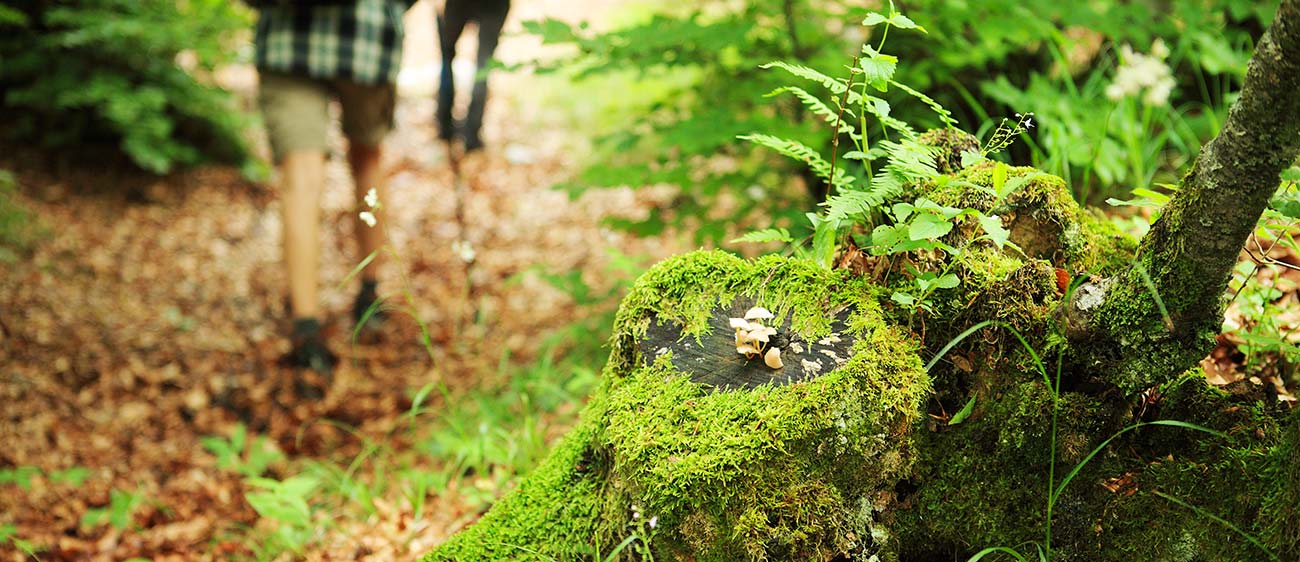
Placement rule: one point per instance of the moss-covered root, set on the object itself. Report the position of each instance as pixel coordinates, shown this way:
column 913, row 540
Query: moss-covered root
column 790, row 472
column 552, row 515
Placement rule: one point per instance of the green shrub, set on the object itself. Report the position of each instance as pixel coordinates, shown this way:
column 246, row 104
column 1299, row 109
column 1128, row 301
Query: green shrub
column 695, row 70
column 128, row 73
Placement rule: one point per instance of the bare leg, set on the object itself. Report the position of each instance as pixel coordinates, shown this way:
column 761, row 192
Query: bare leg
column 367, row 174
column 302, row 173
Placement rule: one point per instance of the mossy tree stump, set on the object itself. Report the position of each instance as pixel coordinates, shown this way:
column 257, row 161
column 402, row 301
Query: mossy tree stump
column 731, row 459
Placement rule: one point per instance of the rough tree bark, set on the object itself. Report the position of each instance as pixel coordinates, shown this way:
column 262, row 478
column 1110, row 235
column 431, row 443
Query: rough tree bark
column 855, row 451
column 1189, row 254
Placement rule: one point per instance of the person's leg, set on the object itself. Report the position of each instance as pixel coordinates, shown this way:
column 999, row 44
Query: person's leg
column 301, row 174
column 451, row 23
column 489, row 32
column 367, row 119
column 296, row 110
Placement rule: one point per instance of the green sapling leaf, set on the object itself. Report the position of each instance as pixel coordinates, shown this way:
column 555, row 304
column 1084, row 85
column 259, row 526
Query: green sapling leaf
column 964, row 413
column 992, row 226
column 928, row 226
column 874, row 18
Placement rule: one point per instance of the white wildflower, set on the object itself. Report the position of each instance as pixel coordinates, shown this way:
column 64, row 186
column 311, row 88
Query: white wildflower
column 1143, row 75
column 654, row 521
column 368, row 218
column 372, row 198
column 464, row 250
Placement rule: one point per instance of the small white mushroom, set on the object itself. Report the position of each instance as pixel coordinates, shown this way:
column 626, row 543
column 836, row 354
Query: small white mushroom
column 759, row 313
column 739, row 324
column 773, row 358
column 747, row 350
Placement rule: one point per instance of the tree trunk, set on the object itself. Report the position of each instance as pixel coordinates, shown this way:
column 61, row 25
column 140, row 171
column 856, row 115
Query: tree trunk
column 1160, row 316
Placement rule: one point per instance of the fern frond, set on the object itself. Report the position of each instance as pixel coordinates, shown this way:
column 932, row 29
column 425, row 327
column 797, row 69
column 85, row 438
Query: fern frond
column 835, row 85
column 851, row 203
column 801, row 152
column 817, row 107
column 766, row 235
column 910, row 160
column 944, row 114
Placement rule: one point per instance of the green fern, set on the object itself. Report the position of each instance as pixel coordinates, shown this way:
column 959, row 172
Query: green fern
column 818, row 108
column 801, row 152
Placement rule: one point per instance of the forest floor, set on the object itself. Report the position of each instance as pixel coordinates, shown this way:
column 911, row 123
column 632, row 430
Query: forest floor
column 152, row 315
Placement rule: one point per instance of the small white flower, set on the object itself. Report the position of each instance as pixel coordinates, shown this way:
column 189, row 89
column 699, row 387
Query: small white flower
column 368, row 218
column 464, row 250
column 654, row 521
column 1159, row 49
column 372, row 198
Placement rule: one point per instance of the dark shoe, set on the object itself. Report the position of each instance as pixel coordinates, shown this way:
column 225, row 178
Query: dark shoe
column 366, row 311
column 309, row 350
column 473, row 142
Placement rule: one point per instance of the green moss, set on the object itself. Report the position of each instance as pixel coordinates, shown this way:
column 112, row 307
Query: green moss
column 553, row 514
column 1222, row 477
column 1043, row 217
column 773, row 473
column 1282, row 501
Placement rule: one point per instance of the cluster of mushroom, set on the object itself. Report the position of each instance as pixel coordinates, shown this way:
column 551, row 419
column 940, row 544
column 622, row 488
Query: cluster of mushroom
column 753, row 338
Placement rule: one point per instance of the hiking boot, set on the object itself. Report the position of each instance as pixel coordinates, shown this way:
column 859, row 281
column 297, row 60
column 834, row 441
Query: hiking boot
column 366, row 299
column 309, row 350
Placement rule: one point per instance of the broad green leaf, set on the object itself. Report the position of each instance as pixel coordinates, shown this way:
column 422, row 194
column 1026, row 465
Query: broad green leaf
column 903, row 22
column 885, row 237
column 970, row 158
column 928, row 226
column 878, row 69
column 1291, row 174
column 824, row 242
column 874, row 18
column 992, row 226
column 903, row 298
column 947, row 281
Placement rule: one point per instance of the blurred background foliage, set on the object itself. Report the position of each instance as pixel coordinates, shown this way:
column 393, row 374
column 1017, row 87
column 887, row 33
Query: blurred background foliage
column 694, row 82
column 131, row 75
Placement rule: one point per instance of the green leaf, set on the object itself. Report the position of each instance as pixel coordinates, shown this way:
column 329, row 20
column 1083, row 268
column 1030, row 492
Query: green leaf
column 993, row 227
column 964, row 413
column 903, row 298
column 903, row 22
column 878, row 69
column 798, row 151
column 885, row 237
column 766, row 235
column 874, row 18
column 1291, row 174
column 75, row 475
column 835, row 85
column 947, row 281
column 824, row 239
column 970, row 158
column 928, row 226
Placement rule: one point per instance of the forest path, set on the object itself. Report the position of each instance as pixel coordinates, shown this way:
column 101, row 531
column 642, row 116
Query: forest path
column 153, row 315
